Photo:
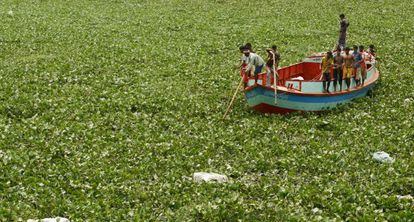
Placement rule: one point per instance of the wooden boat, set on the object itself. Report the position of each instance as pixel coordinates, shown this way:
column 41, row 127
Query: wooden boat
column 299, row 88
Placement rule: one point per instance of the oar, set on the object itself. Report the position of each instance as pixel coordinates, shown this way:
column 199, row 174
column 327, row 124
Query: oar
column 232, row 100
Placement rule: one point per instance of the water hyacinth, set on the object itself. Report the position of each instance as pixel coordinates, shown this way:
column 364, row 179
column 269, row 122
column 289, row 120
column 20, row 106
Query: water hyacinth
column 108, row 107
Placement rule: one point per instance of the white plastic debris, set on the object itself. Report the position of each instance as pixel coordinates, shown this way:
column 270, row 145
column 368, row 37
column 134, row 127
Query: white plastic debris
column 316, row 210
column 382, row 157
column 298, row 78
column 407, row 101
column 56, row 219
column 405, row 197
column 209, row 177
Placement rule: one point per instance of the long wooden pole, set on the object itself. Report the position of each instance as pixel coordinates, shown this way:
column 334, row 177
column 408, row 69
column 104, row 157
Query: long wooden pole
column 232, row 100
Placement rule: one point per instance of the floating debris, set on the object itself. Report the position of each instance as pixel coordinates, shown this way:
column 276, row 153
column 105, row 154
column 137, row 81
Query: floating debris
column 209, row 177
column 405, row 197
column 316, row 210
column 56, row 219
column 407, row 102
column 382, row 157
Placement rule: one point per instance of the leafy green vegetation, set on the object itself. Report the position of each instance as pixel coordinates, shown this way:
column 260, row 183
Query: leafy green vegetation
column 108, row 107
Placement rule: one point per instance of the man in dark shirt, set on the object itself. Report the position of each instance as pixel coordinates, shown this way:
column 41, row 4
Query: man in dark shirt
column 343, row 26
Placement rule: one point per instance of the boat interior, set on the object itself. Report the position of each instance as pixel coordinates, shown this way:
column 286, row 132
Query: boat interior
column 304, row 77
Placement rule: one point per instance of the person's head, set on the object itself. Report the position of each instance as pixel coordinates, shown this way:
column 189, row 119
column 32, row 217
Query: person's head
column 248, row 46
column 347, row 50
column 329, row 54
column 338, row 49
column 241, row 48
column 274, row 47
column 361, row 48
column 341, row 16
column 371, row 47
column 354, row 49
column 246, row 52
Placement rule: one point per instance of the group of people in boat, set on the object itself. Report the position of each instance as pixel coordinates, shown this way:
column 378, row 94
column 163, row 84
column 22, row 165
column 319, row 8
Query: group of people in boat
column 340, row 64
column 345, row 66
column 253, row 64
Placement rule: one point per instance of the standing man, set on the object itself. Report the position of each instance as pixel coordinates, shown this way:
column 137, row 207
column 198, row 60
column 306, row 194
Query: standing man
column 343, row 26
column 255, row 62
column 363, row 64
column 273, row 58
column 337, row 71
column 327, row 62
column 357, row 65
column 370, row 53
column 243, row 64
column 371, row 50
column 277, row 56
column 348, row 70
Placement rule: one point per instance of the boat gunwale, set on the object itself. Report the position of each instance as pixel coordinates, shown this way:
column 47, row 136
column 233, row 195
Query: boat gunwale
column 311, row 80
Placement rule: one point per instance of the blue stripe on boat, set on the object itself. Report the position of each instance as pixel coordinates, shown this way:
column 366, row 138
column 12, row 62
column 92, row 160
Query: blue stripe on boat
column 305, row 98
